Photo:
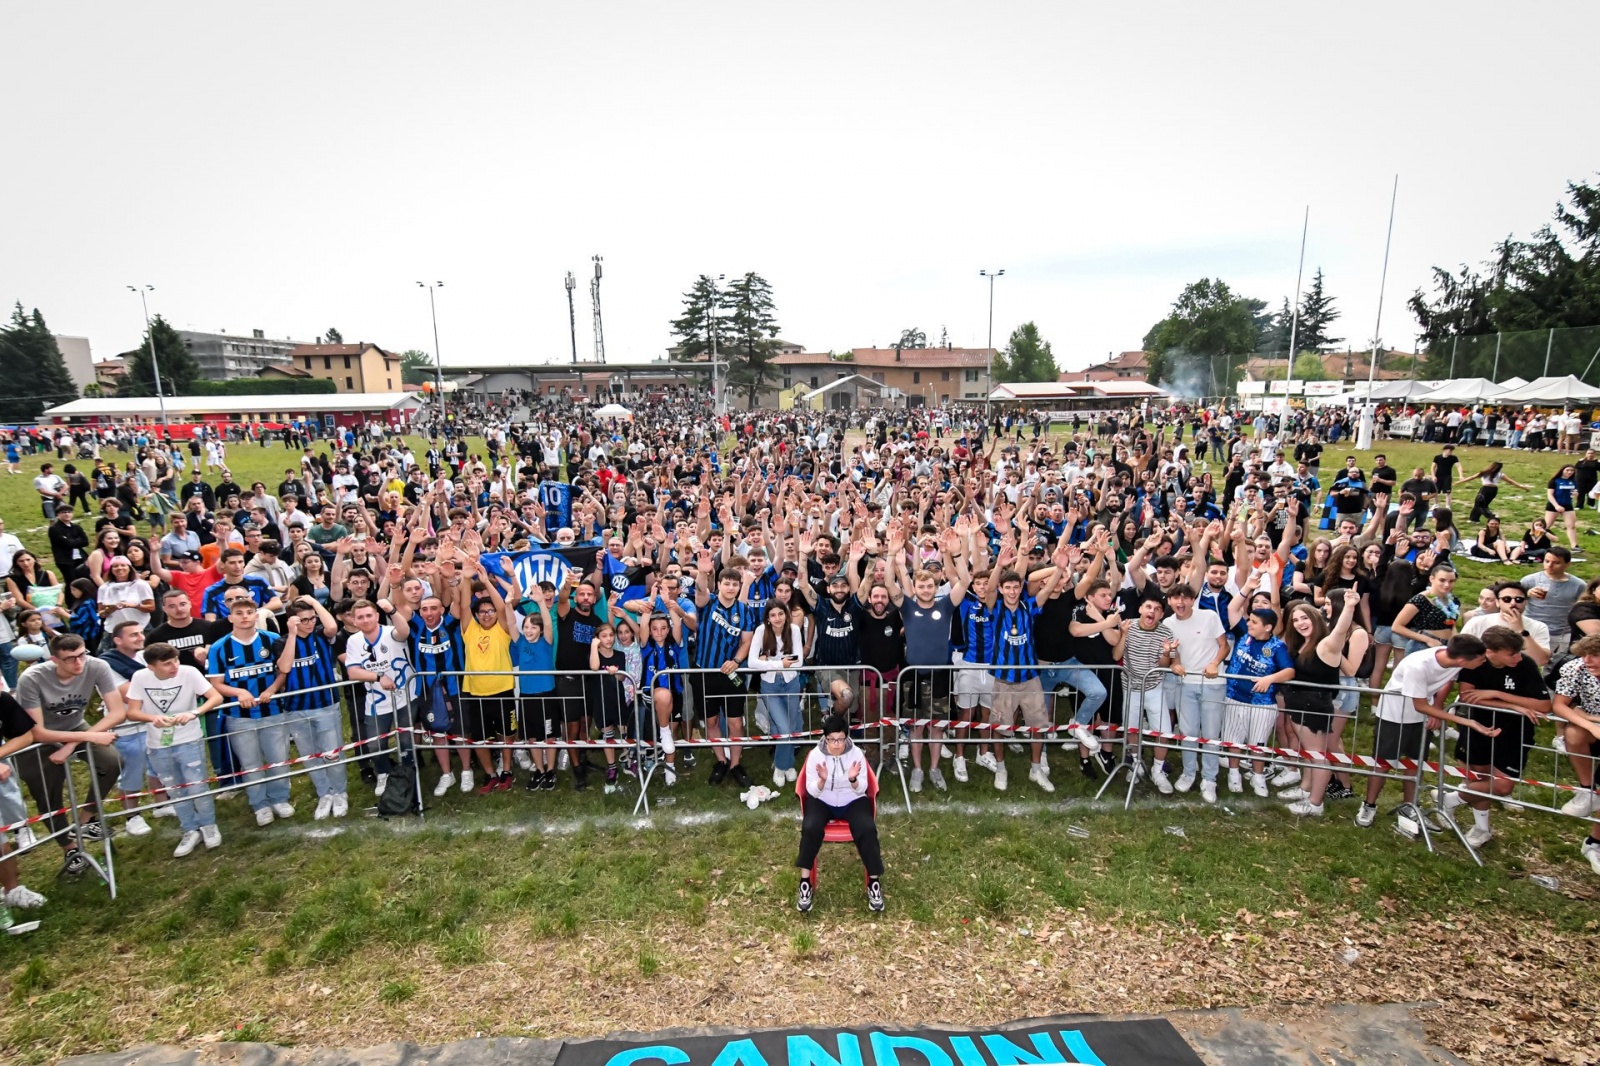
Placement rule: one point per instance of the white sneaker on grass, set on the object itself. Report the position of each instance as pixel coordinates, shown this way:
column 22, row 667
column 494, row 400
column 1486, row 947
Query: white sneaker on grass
column 985, row 759
column 211, row 835
column 1184, row 783
column 1235, row 781
column 466, row 780
column 1367, row 815
column 325, row 807
column 791, row 775
column 137, row 826
column 1208, row 791
column 186, row 844
column 937, row 777
column 283, row 810
column 916, row 780
column 1478, row 836
column 777, row 777
column 960, row 766
column 1293, row 795
column 523, row 760
column 1305, row 808
column 1581, row 805
column 264, row 816
column 945, row 752
column 1000, row 777
column 1286, row 777
column 23, row 898
column 1158, row 777
column 444, row 784
column 1258, row 785
column 383, row 783
column 164, row 811
column 1591, row 851
column 1040, row 778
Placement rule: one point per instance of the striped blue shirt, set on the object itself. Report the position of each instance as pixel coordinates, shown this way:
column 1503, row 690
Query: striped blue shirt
column 312, row 669
column 1011, row 641
column 721, row 629
column 252, row 667
column 436, row 654
column 658, row 657
column 763, row 587
column 976, row 617
column 211, row 601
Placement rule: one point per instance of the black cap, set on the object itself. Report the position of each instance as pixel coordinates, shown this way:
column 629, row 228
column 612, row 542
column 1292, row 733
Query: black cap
column 188, row 555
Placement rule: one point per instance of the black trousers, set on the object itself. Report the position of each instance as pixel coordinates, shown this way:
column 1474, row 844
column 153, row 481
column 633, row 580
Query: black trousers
column 862, row 827
column 47, row 780
column 1480, row 503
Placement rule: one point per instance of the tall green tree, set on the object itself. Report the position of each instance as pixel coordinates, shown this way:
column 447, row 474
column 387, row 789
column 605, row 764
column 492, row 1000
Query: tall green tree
column 178, row 368
column 1272, row 330
column 703, row 326
column 1195, row 349
column 1317, row 314
column 416, row 367
column 1027, row 357
column 35, row 375
column 1551, row 280
column 1308, row 367
column 333, row 336
column 753, row 335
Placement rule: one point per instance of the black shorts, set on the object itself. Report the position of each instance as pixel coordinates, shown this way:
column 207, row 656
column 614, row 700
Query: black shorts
column 570, row 698
column 1507, row 752
column 608, row 703
column 718, row 696
column 537, row 714
column 924, row 690
column 1392, row 740
column 489, row 717
column 1315, row 714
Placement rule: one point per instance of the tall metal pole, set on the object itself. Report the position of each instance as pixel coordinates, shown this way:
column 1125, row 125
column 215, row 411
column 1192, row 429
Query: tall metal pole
column 1496, row 375
column 988, row 384
column 161, row 399
column 572, row 315
column 1547, row 346
column 438, row 361
column 1294, row 316
column 1368, row 412
column 1454, row 344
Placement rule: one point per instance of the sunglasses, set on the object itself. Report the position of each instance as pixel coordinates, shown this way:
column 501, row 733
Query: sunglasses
column 1513, row 599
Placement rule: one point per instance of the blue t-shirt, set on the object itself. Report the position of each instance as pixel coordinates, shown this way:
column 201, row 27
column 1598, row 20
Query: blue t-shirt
column 1254, row 658
column 1563, row 489
column 534, row 655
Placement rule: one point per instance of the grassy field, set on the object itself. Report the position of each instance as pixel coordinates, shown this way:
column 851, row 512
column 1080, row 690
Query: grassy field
column 558, row 913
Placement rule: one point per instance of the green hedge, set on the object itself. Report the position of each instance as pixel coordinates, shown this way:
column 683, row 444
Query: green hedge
column 264, row 387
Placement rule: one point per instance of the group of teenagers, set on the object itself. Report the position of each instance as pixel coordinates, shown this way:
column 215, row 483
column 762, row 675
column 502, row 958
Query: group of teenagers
column 646, row 589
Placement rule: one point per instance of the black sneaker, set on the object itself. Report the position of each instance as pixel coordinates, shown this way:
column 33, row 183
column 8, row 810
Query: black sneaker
column 686, row 756
column 92, row 830
column 76, row 862
column 875, row 895
column 1336, row 791
column 802, row 901
column 535, row 781
column 1089, row 769
column 1108, row 765
column 718, row 772
column 550, row 781
column 741, row 776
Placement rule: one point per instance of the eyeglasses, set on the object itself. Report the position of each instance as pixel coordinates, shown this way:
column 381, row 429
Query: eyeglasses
column 78, row 658
column 836, row 740
column 1513, row 599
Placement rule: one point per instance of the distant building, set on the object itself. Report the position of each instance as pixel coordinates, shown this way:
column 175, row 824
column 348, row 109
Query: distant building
column 1348, row 367
column 360, row 367
column 1124, row 366
column 111, row 374
column 223, row 356
column 80, row 361
column 923, row 376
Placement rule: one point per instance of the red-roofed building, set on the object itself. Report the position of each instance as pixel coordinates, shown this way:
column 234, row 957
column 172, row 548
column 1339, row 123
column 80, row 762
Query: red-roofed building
column 361, row 367
column 922, row 375
column 1124, row 366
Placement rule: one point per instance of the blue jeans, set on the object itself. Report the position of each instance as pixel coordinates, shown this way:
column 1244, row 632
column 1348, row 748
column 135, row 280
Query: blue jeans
column 255, row 741
column 1200, row 710
column 182, row 768
column 131, row 747
column 782, row 701
column 315, row 732
column 1082, row 678
column 8, row 665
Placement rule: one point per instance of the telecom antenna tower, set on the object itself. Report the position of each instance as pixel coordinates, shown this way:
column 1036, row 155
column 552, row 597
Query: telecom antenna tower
column 599, row 330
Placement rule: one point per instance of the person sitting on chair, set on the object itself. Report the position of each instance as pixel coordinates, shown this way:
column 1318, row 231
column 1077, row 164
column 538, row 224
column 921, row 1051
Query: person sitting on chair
column 837, row 784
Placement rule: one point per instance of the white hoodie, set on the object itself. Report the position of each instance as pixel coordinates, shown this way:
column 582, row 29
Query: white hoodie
column 836, row 788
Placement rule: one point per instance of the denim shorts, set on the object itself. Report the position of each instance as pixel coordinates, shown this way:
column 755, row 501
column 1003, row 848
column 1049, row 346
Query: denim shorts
column 1346, row 702
column 1383, row 635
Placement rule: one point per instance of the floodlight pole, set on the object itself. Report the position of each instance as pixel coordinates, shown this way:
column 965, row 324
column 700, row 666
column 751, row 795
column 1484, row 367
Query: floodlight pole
column 988, row 383
column 151, row 333
column 1368, row 413
column 438, row 364
column 1294, row 317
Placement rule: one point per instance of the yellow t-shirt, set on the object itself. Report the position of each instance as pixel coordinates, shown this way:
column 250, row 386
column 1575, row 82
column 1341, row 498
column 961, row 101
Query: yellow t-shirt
column 488, row 660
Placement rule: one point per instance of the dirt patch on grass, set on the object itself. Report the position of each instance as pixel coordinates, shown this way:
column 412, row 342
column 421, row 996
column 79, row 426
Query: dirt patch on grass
column 1506, row 994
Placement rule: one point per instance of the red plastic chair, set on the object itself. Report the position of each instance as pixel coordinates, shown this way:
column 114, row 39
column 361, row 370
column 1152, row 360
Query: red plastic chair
column 837, row 830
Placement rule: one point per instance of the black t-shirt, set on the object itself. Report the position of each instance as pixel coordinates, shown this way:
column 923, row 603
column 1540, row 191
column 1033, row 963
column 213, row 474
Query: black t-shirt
column 1523, row 679
column 1384, row 478
column 882, row 640
column 574, row 634
column 1308, row 452
column 14, row 721
column 1417, row 486
column 1582, row 612
column 1444, row 468
column 192, row 641
column 1092, row 650
column 1052, row 640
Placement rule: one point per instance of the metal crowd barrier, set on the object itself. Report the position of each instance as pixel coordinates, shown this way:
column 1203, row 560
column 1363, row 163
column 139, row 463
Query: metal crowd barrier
column 56, row 796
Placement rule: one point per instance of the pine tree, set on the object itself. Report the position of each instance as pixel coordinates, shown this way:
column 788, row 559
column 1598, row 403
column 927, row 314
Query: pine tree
column 1316, row 316
column 333, row 336
column 35, row 375
column 705, row 313
column 178, row 368
column 753, row 330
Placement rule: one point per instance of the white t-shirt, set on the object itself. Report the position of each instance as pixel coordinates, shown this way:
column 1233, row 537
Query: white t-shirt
column 48, row 483
column 135, row 591
column 344, row 487
column 1197, row 642
column 1419, row 676
column 180, row 695
column 9, row 547
column 1538, row 632
column 385, row 656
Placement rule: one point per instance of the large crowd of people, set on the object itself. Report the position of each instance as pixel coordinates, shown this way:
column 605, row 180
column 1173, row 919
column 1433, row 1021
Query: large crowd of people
column 1159, row 571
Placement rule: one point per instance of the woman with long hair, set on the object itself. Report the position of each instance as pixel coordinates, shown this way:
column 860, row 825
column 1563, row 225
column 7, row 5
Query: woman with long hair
column 1430, row 618
column 1561, row 498
column 776, row 649
column 1396, row 583
column 27, row 574
column 1535, row 542
column 1445, row 535
column 1309, row 700
column 313, row 579
column 107, row 544
column 1584, row 618
column 1343, row 572
column 1309, row 575
column 1489, row 479
column 1491, row 543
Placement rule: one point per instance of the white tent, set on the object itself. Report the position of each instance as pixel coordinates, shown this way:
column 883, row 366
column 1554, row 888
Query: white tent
column 1465, row 390
column 613, row 410
column 1513, row 383
column 1402, row 390
column 1551, row 391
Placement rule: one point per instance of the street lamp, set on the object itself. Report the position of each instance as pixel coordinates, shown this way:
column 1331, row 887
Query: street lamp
column 989, row 374
column 151, row 333
column 438, row 365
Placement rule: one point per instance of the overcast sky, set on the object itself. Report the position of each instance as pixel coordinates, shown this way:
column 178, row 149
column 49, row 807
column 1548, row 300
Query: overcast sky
column 292, row 167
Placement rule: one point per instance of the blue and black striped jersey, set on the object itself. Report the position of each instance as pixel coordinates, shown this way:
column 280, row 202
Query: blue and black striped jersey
column 312, row 669
column 976, row 617
column 252, row 667
column 721, row 628
column 1011, row 648
column 658, row 657
column 211, row 602
column 436, row 654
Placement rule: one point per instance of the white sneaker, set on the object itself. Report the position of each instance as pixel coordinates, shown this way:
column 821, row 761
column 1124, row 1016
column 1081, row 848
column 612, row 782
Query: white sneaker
column 1286, row 777
column 383, row 782
column 960, row 766
column 1293, row 795
column 23, row 898
column 524, row 761
column 1185, row 782
column 671, row 775
column 669, row 743
column 1451, row 801
column 777, row 777
column 1158, row 777
column 937, row 777
column 166, row 810
column 1581, row 805
column 1040, row 778
column 1478, row 836
column 1560, row 742
column 137, row 826
column 791, row 775
column 264, row 816
column 1367, row 815
column 1258, row 785
column 466, row 781
column 1208, row 791
column 25, row 838
column 211, row 835
column 1044, row 761
column 1591, row 851
column 985, row 759
column 945, row 752
column 1000, row 777
column 916, row 780
column 283, row 810
column 324, row 808
column 1306, row 808
column 444, row 784
column 1086, row 739
column 1235, row 781
column 186, row 844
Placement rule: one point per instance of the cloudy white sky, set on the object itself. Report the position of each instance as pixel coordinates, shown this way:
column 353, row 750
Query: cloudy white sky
column 296, row 166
